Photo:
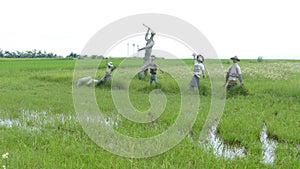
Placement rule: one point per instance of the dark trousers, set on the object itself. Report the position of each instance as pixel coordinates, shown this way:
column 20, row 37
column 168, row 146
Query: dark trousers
column 230, row 85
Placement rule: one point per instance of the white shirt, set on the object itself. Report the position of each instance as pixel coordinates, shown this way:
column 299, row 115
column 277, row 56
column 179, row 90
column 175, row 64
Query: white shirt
column 234, row 72
column 198, row 68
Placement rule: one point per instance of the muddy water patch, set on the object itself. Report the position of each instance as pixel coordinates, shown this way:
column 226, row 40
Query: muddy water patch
column 107, row 121
column 9, row 123
column 32, row 120
column 213, row 142
column 219, row 148
column 268, row 147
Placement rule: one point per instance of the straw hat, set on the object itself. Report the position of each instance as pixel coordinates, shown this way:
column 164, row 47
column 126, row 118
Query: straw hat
column 110, row 64
column 235, row 58
column 200, row 58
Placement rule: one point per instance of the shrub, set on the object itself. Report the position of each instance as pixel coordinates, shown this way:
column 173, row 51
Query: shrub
column 259, row 59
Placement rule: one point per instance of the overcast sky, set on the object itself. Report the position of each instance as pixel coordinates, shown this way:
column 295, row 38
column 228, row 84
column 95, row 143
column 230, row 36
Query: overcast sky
column 247, row 29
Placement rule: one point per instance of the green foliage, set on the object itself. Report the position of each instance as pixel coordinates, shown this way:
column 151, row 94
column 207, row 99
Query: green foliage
column 61, row 77
column 237, row 90
column 259, row 59
column 204, row 90
column 28, row 54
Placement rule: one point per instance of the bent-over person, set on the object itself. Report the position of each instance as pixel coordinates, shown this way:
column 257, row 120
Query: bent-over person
column 109, row 69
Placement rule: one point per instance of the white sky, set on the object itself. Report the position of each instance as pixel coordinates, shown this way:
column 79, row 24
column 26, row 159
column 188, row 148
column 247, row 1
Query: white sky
column 248, row 29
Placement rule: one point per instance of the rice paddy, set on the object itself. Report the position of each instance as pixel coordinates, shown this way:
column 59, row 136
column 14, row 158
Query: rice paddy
column 40, row 127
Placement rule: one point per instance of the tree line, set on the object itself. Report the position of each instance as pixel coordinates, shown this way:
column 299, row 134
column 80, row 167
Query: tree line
column 33, row 54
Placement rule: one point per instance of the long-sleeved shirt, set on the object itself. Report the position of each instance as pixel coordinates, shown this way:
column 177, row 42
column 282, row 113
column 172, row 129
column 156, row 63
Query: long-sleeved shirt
column 108, row 70
column 148, row 48
column 198, row 68
column 234, row 72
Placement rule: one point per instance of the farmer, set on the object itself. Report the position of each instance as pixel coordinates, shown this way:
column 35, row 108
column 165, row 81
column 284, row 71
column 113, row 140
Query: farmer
column 109, row 69
column 198, row 70
column 233, row 73
column 153, row 68
column 148, row 50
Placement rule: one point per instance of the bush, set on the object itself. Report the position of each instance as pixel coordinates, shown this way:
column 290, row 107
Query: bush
column 259, row 59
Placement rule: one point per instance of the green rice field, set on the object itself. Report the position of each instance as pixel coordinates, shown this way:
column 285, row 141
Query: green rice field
column 39, row 126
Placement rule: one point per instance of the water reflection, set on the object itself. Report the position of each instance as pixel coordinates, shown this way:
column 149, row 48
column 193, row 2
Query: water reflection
column 9, row 123
column 220, row 149
column 268, row 147
column 31, row 120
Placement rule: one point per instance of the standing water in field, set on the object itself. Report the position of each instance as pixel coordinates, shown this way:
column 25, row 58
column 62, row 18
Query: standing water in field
column 268, row 147
column 220, row 149
column 9, row 123
column 32, row 120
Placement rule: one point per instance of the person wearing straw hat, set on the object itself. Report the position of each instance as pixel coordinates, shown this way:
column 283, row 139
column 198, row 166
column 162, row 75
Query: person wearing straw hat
column 233, row 74
column 198, row 70
column 109, row 69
